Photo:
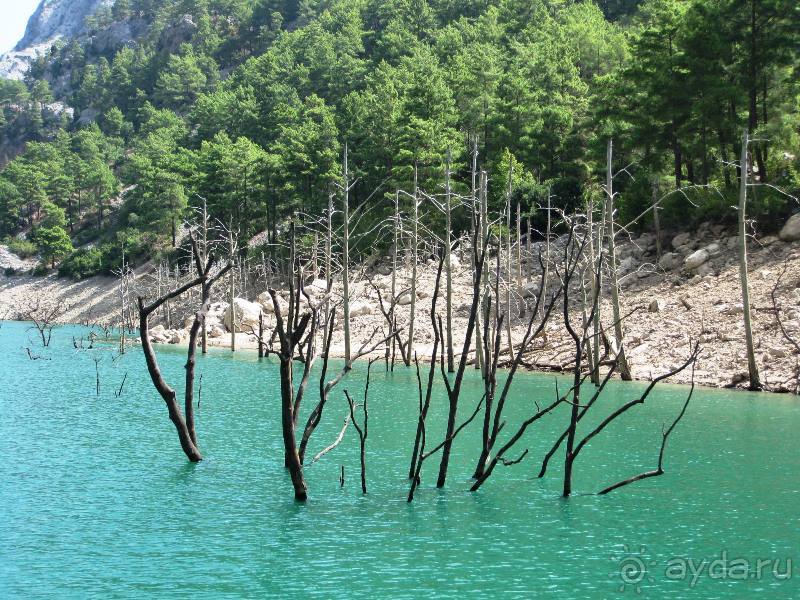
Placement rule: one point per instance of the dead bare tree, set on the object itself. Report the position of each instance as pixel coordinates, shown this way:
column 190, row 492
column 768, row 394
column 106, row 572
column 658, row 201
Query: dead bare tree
column 420, row 455
column 454, row 389
column 493, row 423
column 363, row 431
column 44, row 316
column 448, row 233
column 391, row 321
column 574, row 448
column 290, row 331
column 326, row 385
column 619, row 335
column 184, row 424
column 97, row 360
column 752, row 366
column 659, row 470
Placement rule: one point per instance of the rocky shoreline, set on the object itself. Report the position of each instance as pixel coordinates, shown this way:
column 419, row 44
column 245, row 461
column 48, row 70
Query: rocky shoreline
column 690, row 293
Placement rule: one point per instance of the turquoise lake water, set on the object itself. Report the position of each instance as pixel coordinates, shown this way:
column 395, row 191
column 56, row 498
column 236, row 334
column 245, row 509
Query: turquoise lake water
column 97, row 499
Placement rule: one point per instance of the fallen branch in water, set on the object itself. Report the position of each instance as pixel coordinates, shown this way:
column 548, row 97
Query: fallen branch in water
column 664, row 437
column 335, row 443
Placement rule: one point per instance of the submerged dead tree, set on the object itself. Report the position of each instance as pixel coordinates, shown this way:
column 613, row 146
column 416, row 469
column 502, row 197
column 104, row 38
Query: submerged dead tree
column 363, row 429
column 184, row 422
column 493, row 422
column 44, row 317
column 327, row 385
column 454, row 389
column 437, row 359
column 659, row 470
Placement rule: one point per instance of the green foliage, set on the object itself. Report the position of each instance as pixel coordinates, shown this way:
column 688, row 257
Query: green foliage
column 249, row 105
column 81, row 264
column 53, row 243
column 20, row 247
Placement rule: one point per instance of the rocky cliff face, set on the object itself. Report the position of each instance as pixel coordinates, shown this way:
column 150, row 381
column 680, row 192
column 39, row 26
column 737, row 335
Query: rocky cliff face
column 52, row 20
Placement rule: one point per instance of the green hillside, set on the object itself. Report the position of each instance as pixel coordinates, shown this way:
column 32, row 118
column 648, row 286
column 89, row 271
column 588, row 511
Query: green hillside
column 249, row 105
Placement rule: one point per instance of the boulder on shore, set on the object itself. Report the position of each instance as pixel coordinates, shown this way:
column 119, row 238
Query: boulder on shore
column 791, row 230
column 404, row 299
column 246, row 314
column 696, row 258
column 265, row 301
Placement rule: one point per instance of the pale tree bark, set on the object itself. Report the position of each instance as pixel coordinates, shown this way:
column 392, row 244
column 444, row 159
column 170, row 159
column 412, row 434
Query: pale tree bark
column 328, row 258
column 484, row 276
column 529, row 249
column 448, row 266
column 414, row 260
column 656, row 219
column 595, row 256
column 752, row 366
column 231, row 285
column 508, row 261
column 624, row 369
column 546, row 275
column 519, row 257
column 393, row 308
column 475, row 221
column 346, row 257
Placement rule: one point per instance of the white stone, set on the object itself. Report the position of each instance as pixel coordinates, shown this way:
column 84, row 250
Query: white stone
column 769, row 240
column 734, row 309
column 404, row 299
column 317, row 287
column 265, row 300
column 705, row 270
column 791, row 230
column 246, row 314
column 697, row 258
column 777, row 352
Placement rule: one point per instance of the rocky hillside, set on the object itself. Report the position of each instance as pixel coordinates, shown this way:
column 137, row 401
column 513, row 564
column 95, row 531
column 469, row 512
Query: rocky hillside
column 53, row 20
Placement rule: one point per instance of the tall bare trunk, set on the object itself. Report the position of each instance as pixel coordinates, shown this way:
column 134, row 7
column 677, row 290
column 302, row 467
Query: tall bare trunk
column 546, row 274
column 484, row 277
column 519, row 257
column 448, row 266
column 476, row 208
column 346, row 259
column 508, row 262
column 414, row 259
column 624, row 369
column 755, row 381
